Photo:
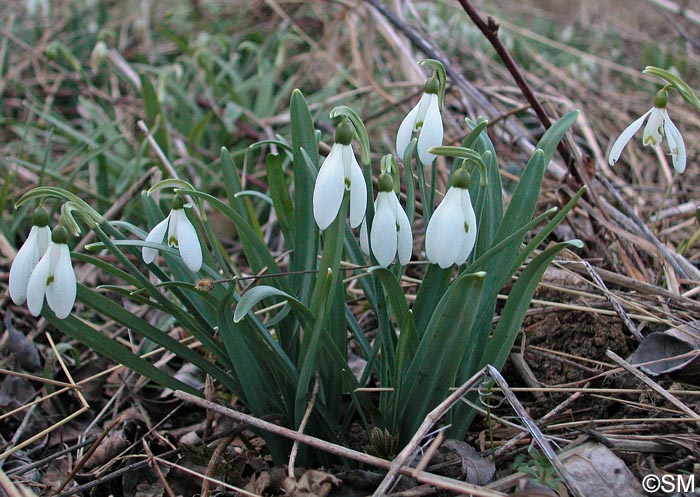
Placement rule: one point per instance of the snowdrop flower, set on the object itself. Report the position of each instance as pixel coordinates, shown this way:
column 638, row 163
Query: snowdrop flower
column 339, row 172
column 425, row 119
column 391, row 230
column 53, row 277
column 451, row 232
column 29, row 255
column 658, row 125
column 181, row 234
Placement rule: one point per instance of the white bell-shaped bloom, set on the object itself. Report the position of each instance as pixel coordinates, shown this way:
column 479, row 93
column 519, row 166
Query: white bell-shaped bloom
column 181, row 234
column 390, row 233
column 53, row 278
column 28, row 256
column 658, row 126
column 452, row 229
column 340, row 171
column 425, row 119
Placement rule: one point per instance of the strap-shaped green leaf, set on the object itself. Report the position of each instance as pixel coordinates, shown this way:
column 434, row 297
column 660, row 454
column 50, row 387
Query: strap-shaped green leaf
column 255, row 295
column 434, row 368
column 306, row 233
column 88, row 336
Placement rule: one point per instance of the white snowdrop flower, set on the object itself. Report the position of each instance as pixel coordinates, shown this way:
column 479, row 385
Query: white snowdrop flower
column 181, row 234
column 339, row 172
column 391, row 230
column 658, row 126
column 29, row 255
column 451, row 232
column 424, row 119
column 53, row 278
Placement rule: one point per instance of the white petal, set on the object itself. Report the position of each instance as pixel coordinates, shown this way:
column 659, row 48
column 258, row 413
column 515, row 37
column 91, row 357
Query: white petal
column 358, row 188
column 364, row 237
column 36, row 288
column 625, row 137
column 60, row 294
column 405, row 133
column 383, row 232
column 653, row 131
column 329, row 188
column 188, row 242
column 676, row 144
column 447, row 221
column 404, row 235
column 468, row 238
column 432, row 131
column 25, row 261
column 155, row 236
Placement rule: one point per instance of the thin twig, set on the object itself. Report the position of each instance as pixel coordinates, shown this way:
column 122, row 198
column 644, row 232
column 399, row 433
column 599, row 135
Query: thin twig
column 653, row 385
column 535, row 432
column 302, row 427
column 433, row 417
column 490, row 30
column 445, row 483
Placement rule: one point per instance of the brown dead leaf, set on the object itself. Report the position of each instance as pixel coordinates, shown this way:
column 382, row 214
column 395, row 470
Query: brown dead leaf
column 313, row 483
column 267, row 482
column 23, row 349
column 477, row 470
column 674, row 352
column 598, row 471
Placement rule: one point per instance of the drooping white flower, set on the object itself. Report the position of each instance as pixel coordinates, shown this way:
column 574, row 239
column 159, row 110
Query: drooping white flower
column 452, row 229
column 53, row 278
column 29, row 255
column 339, row 172
column 658, row 126
column 425, row 119
column 181, row 234
column 391, row 230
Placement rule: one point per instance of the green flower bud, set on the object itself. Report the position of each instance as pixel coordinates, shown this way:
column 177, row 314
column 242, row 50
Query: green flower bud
column 178, row 202
column 40, row 217
column 661, row 99
column 432, row 86
column 385, row 183
column 344, row 132
column 461, row 178
column 59, row 235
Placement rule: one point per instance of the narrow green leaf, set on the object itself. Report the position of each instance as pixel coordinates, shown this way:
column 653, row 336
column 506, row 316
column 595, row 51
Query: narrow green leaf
column 279, row 191
column 306, row 232
column 255, row 295
column 433, row 370
column 113, row 350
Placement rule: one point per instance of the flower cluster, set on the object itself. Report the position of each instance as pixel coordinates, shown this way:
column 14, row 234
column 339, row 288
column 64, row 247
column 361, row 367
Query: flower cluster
column 42, row 268
column 451, row 232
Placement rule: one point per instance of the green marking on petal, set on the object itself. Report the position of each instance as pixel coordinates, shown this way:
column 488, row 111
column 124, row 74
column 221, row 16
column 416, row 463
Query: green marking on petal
column 49, row 280
column 172, row 241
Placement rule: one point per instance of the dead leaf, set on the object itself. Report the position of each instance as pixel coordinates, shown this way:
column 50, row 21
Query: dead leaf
column 313, row 483
column 598, row 471
column 475, row 469
column 23, row 349
column 267, row 482
column 674, row 352
column 112, row 445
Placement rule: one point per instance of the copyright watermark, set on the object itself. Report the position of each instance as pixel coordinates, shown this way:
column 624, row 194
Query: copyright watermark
column 668, row 484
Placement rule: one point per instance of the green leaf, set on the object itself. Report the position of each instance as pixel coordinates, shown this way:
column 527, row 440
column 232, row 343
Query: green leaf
column 518, row 303
column 306, row 233
column 88, row 336
column 255, row 295
column 434, row 368
column 279, row 191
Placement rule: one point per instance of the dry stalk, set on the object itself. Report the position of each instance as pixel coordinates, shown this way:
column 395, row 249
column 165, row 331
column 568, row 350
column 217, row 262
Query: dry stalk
column 442, row 482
